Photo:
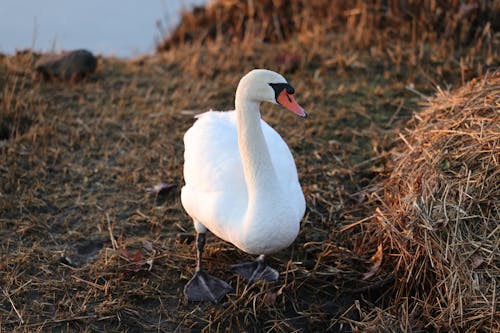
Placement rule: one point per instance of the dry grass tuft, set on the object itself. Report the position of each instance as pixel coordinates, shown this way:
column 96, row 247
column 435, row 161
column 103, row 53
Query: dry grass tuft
column 440, row 212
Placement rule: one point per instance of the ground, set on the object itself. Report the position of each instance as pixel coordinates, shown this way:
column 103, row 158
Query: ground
column 76, row 159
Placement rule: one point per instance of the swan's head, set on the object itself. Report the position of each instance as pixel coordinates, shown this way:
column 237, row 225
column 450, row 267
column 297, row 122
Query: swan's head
column 262, row 85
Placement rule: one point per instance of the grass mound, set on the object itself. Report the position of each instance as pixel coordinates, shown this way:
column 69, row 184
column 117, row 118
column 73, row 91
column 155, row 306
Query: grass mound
column 272, row 21
column 440, row 213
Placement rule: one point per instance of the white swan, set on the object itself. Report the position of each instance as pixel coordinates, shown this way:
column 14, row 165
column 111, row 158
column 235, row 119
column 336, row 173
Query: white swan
column 241, row 182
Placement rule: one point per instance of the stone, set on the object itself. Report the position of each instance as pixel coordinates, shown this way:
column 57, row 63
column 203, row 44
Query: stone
column 70, row 65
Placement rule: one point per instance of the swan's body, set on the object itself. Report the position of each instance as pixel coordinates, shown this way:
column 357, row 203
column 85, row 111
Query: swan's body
column 217, row 196
column 241, row 179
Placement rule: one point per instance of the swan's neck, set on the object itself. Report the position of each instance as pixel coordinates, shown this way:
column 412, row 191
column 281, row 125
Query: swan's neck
column 259, row 173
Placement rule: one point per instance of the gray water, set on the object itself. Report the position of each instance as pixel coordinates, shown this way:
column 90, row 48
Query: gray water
column 123, row 28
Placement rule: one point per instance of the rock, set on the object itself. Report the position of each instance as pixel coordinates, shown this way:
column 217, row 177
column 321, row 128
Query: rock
column 71, row 65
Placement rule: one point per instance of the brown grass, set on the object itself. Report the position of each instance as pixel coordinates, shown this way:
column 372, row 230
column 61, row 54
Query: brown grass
column 365, row 23
column 440, row 209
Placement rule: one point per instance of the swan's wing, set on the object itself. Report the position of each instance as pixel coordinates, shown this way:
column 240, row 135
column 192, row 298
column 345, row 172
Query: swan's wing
column 215, row 190
column 286, row 170
column 211, row 157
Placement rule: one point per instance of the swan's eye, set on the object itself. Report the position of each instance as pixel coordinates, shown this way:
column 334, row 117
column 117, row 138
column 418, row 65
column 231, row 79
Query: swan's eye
column 279, row 87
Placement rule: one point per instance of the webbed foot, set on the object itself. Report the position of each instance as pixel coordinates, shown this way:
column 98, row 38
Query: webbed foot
column 259, row 269
column 204, row 287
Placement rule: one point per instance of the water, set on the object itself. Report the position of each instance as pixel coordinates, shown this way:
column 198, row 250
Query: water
column 123, row 28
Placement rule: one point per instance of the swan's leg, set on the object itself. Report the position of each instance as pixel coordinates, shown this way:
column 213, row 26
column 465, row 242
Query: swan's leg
column 259, row 269
column 204, row 287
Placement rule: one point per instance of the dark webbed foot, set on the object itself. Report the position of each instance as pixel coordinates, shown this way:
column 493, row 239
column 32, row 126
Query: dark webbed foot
column 259, row 269
column 204, row 287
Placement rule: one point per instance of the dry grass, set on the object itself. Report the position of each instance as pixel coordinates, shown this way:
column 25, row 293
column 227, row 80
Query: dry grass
column 440, row 210
column 75, row 160
column 364, row 22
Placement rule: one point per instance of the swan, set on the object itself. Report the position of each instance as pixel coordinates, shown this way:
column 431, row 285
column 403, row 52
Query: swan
column 241, row 182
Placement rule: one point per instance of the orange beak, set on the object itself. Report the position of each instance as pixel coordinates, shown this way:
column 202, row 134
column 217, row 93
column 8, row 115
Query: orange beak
column 288, row 101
